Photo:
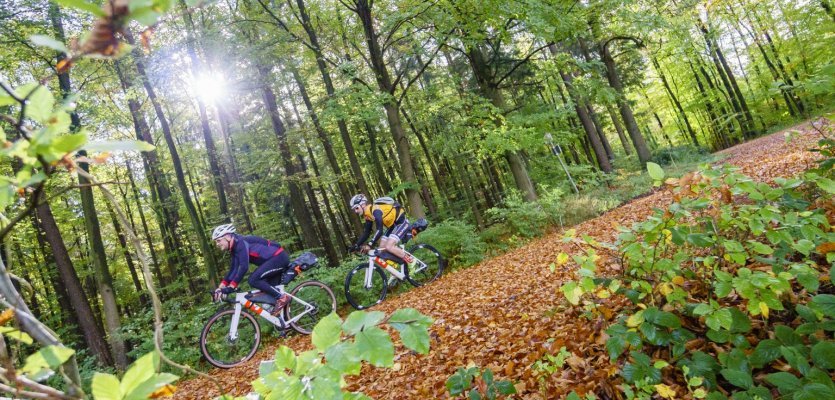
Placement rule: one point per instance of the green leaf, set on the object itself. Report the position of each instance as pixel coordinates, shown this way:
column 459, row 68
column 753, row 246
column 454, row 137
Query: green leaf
column 823, row 354
column 40, row 102
column 285, row 357
column 146, row 16
column 16, row 334
column 144, row 390
column 655, row 171
column 46, row 41
column 359, row 320
column 49, row 357
column 662, row 318
column 827, row 185
column 505, row 387
column 460, row 381
column 83, row 6
column 766, row 351
column 796, row 359
column 761, row 248
column 738, row 378
column 374, row 345
column 115, row 145
column 572, row 292
column 787, row 336
column 409, row 316
column 700, row 239
column 414, row 337
column 814, row 391
column 69, row 143
column 826, row 304
column 343, row 357
column 327, row 332
column 784, row 381
column 140, row 371
column 106, row 387
column 573, row 396
column 741, row 321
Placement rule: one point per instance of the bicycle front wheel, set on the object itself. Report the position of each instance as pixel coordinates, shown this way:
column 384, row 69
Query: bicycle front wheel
column 429, row 267
column 320, row 302
column 361, row 294
column 220, row 348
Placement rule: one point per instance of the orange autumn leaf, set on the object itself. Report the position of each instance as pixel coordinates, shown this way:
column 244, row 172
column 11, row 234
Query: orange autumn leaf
column 825, row 248
column 164, row 391
column 6, row 316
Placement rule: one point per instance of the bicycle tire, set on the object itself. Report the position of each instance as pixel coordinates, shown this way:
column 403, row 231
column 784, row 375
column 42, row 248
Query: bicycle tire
column 315, row 293
column 434, row 265
column 358, row 295
column 213, row 346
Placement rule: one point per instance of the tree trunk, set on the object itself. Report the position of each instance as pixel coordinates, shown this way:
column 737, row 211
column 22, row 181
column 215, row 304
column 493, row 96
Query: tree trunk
column 202, row 240
column 93, row 337
column 234, row 175
column 491, row 91
column 588, row 125
column 675, row 101
column 344, row 193
column 722, row 65
column 329, row 88
column 151, row 246
column 300, row 209
column 623, row 106
column 598, row 127
column 624, row 141
column 392, row 107
column 339, row 227
column 196, row 67
column 164, row 205
column 103, row 277
column 123, row 244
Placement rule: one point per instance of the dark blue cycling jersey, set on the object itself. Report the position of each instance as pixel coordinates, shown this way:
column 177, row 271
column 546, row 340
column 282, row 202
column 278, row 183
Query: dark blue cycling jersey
column 249, row 250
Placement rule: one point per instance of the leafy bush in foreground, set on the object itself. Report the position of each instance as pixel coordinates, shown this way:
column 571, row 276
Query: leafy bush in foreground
column 731, row 287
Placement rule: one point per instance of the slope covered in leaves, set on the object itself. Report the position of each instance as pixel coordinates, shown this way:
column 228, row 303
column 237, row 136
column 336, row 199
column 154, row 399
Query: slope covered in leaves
column 507, row 313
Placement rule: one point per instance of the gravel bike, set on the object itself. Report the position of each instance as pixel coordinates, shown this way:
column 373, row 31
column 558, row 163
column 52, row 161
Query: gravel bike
column 367, row 284
column 232, row 335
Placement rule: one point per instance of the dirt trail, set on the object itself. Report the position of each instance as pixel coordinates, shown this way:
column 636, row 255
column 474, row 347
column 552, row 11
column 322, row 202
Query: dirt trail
column 505, row 313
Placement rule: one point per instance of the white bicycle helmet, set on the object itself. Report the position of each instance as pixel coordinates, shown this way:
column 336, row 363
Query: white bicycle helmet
column 357, row 200
column 222, row 230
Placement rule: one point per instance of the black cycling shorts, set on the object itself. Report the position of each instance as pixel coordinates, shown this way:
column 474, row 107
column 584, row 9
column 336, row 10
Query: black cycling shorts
column 398, row 232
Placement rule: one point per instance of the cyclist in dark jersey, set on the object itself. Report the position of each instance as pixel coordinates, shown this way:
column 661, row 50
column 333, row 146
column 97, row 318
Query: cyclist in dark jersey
column 388, row 221
column 270, row 257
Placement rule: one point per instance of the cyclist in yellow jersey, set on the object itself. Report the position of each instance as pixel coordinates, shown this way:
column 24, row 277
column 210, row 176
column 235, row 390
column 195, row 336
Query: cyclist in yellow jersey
column 380, row 215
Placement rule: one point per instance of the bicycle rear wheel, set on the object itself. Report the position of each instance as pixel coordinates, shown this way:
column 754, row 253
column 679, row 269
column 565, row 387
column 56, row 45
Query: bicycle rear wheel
column 317, row 295
column 223, row 351
column 360, row 295
column 430, row 265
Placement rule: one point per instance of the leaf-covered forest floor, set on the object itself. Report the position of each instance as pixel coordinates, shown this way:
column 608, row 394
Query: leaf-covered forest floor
column 506, row 313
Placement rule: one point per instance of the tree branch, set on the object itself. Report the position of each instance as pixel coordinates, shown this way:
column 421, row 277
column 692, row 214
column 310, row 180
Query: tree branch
column 42, row 390
column 284, row 26
column 523, row 61
column 420, row 72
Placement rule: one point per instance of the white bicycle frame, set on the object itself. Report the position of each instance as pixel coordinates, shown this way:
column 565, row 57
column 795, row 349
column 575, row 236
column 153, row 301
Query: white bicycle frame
column 241, row 301
column 399, row 274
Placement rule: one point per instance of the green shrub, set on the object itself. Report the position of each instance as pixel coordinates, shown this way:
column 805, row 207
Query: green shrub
column 183, row 322
column 585, row 207
column 496, row 238
column 679, row 154
column 524, row 218
column 729, row 254
column 457, row 241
